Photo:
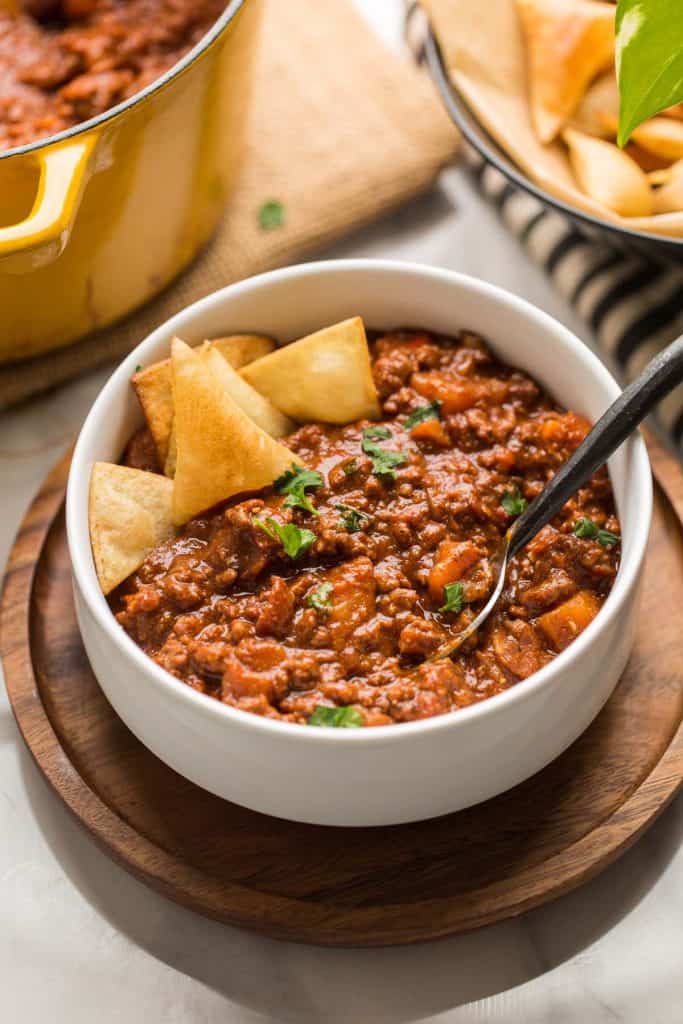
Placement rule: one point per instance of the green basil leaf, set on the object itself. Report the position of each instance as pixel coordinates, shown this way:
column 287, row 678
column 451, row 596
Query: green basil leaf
column 649, row 60
column 294, row 482
column 294, row 540
column 336, row 718
column 454, row 594
column 431, row 411
column 320, row 598
column 513, row 502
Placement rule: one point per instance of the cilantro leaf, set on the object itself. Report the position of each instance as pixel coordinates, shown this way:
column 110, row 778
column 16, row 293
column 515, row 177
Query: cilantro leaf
column 294, row 482
column 271, row 215
column 383, row 460
column 376, row 434
column 336, row 718
column 294, row 540
column 513, row 502
column 431, row 411
column 352, row 518
column 454, row 594
column 350, row 467
column 320, row 598
column 138, row 368
column 586, row 528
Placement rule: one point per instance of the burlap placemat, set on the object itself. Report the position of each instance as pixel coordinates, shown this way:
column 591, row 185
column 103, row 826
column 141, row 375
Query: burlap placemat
column 341, row 132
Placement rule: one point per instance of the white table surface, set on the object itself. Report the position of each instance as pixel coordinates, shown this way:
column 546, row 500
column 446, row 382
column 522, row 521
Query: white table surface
column 83, row 942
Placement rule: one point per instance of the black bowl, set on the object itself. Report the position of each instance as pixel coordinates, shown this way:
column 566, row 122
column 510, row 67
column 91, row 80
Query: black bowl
column 661, row 249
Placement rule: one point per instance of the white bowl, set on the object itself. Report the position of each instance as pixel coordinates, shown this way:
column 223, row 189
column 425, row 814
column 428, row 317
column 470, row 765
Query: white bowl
column 399, row 773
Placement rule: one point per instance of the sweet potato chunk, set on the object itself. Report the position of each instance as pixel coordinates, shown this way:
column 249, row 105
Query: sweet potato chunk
column 453, row 559
column 564, row 623
column 431, row 430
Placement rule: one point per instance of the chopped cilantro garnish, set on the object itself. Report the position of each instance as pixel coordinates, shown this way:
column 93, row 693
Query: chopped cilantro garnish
column 320, row 598
column 336, row 718
column 588, row 529
column 294, row 540
column 138, row 368
column 271, row 215
column 513, row 502
column 383, row 461
column 350, row 467
column 352, row 518
column 376, row 434
column 294, row 482
column 431, row 411
column 454, row 594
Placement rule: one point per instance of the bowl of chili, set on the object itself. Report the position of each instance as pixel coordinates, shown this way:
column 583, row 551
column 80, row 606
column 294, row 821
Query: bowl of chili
column 121, row 131
column 472, row 428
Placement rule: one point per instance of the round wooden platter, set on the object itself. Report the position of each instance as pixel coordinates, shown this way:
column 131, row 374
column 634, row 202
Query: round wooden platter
column 361, row 887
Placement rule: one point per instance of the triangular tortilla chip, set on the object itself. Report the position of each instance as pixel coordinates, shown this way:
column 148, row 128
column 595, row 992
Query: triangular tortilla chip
column 662, row 136
column 568, row 43
column 609, row 175
column 600, row 102
column 153, row 384
column 259, row 409
column 130, row 514
column 220, row 450
column 325, row 376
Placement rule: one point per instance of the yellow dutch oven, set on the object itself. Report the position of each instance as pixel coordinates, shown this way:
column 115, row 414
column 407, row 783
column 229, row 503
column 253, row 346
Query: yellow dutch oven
column 96, row 220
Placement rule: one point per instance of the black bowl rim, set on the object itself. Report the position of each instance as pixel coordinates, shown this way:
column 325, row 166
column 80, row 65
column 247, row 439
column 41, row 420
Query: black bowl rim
column 479, row 140
column 177, row 69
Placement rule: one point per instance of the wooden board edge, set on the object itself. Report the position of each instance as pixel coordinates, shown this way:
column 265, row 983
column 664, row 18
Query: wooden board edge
column 327, row 925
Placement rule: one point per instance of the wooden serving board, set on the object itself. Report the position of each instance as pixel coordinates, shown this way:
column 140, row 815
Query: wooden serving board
column 363, row 887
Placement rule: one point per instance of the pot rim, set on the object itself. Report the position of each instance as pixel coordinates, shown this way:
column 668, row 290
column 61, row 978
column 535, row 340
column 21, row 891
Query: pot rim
column 221, row 23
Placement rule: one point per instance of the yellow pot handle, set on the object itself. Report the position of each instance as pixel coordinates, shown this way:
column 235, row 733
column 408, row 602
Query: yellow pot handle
column 43, row 234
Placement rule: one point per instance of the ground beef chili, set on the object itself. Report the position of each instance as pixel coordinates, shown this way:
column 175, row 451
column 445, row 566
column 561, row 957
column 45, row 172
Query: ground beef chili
column 64, row 61
column 352, row 620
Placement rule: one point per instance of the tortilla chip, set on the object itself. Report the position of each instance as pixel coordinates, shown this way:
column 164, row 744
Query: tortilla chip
column 668, row 198
column 609, row 175
column 153, row 384
column 130, row 514
column 599, row 103
column 568, row 43
column 662, row 136
column 325, row 376
column 220, row 450
column 172, row 457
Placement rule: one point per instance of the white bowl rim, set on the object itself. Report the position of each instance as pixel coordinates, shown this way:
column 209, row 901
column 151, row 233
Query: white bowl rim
column 86, row 579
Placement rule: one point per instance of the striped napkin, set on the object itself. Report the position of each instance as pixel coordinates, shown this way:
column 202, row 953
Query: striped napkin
column 633, row 307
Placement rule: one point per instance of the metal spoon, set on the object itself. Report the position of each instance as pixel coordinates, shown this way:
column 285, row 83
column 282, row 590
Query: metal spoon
column 660, row 376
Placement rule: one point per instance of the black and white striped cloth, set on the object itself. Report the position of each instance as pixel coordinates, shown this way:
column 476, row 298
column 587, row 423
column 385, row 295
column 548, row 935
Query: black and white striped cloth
column 633, row 308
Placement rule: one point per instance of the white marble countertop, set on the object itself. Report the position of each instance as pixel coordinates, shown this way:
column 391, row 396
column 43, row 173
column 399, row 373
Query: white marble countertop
column 82, row 941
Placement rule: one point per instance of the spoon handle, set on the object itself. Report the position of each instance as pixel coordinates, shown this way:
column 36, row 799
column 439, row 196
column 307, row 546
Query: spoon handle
column 660, row 376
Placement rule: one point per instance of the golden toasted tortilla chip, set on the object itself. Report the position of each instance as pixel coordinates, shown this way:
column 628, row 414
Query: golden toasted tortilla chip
column 325, row 376
column 153, row 384
column 568, row 43
column 172, row 457
column 599, row 103
column 668, row 198
column 609, row 175
column 220, row 450
column 662, row 136
column 130, row 514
